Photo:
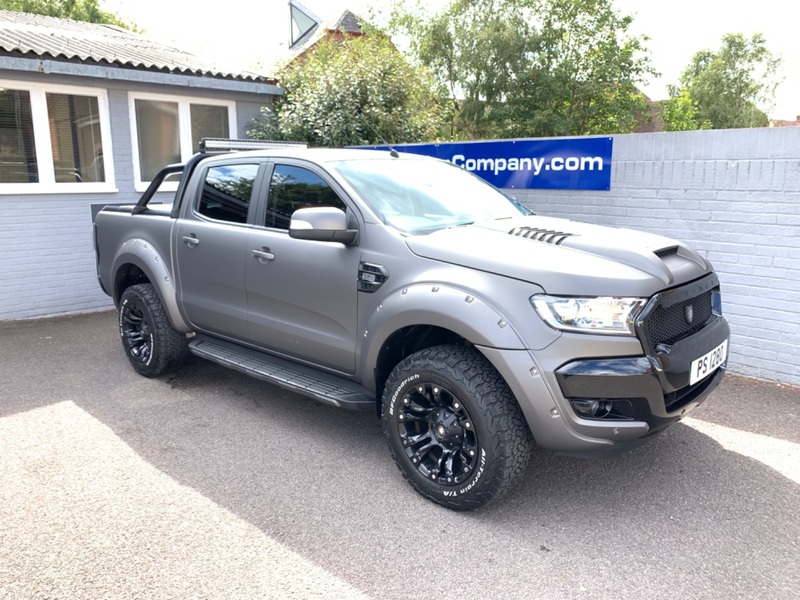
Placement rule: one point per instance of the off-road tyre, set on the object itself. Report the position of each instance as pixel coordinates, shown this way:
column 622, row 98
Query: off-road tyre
column 454, row 427
column 151, row 344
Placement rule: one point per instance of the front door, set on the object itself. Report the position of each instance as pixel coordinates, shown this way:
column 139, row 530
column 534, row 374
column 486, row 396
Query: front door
column 302, row 295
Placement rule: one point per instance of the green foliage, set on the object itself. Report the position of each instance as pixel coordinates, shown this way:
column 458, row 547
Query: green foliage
column 531, row 67
column 727, row 86
column 88, row 11
column 679, row 113
column 352, row 91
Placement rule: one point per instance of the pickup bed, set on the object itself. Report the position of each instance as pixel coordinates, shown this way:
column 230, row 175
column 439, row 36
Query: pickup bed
column 407, row 286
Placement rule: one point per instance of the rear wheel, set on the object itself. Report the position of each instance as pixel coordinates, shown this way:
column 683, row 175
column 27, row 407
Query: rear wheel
column 151, row 344
column 454, row 428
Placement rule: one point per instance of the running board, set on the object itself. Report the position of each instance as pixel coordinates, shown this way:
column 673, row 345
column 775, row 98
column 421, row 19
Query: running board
column 283, row 373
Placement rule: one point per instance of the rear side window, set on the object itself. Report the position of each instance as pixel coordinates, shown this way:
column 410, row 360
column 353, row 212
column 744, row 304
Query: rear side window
column 292, row 188
column 227, row 192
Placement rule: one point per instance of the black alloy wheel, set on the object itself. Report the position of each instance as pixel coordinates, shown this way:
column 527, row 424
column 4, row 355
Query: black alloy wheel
column 454, row 428
column 136, row 332
column 438, row 434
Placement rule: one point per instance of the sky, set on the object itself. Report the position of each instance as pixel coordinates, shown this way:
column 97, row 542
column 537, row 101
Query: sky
column 254, row 33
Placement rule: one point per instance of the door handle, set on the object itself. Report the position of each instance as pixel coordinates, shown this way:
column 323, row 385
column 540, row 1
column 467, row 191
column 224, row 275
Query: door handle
column 264, row 255
column 190, row 240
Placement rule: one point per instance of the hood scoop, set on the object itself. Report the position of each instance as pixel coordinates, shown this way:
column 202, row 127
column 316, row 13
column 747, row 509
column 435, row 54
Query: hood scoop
column 549, row 236
column 665, row 252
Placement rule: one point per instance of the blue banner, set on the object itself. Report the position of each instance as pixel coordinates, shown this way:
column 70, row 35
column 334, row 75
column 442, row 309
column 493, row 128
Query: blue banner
column 550, row 164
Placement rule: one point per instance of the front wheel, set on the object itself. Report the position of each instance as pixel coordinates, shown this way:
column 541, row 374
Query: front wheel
column 151, row 344
column 454, row 428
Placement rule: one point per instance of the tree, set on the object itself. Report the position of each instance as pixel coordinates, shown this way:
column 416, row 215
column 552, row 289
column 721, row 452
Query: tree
column 88, row 11
column 353, row 91
column 679, row 112
column 531, row 67
column 732, row 87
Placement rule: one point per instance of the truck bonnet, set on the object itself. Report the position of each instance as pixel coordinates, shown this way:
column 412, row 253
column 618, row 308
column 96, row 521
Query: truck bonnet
column 566, row 257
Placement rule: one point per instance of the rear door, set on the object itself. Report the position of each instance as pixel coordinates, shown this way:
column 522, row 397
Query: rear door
column 302, row 295
column 210, row 248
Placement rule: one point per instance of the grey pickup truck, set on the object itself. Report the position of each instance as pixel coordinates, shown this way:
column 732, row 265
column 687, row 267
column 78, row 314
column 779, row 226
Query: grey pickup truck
column 407, row 286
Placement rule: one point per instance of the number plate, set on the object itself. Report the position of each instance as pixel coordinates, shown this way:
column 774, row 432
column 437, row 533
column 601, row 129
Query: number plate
column 708, row 363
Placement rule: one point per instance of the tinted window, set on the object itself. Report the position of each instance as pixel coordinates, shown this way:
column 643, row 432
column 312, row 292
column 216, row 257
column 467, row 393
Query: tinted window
column 227, row 192
column 75, row 138
column 208, row 121
column 17, row 147
column 293, row 188
column 158, row 130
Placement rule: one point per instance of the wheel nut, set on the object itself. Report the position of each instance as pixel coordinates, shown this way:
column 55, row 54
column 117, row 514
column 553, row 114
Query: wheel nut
column 472, row 452
column 466, row 425
column 456, row 405
column 400, row 417
column 435, row 390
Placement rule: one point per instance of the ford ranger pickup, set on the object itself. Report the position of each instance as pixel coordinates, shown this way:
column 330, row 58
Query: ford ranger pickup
column 407, row 286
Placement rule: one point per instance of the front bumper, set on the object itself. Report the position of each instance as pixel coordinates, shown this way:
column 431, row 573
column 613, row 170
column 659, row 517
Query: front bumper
column 649, row 389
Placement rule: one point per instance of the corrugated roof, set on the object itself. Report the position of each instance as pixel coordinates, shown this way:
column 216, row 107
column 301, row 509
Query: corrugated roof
column 29, row 35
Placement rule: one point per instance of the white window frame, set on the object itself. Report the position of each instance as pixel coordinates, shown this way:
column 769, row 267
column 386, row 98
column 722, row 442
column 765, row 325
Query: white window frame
column 184, row 128
column 44, row 150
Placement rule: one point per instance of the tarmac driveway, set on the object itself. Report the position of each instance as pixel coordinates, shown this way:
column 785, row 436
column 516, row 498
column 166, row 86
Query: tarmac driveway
column 208, row 484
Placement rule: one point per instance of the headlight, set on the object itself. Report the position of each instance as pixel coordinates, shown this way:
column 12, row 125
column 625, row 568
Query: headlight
column 589, row 315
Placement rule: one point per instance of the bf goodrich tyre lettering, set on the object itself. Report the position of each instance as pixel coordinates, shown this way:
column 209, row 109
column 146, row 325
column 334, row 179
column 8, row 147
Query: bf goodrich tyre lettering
column 454, row 429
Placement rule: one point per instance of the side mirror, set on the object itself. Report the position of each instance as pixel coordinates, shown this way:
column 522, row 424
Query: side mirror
column 322, row 224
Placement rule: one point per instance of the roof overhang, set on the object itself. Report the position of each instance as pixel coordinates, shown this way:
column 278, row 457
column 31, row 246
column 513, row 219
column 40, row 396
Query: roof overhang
column 56, row 67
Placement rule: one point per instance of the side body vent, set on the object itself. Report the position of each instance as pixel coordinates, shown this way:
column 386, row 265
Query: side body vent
column 371, row 277
column 548, row 236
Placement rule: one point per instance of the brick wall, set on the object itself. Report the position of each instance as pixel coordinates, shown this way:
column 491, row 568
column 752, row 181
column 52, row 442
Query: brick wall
column 734, row 196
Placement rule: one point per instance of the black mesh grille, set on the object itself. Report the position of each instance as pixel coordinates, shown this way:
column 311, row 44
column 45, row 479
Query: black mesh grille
column 668, row 325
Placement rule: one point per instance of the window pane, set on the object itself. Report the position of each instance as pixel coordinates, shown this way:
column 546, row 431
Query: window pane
column 159, row 136
column 208, row 121
column 75, row 137
column 293, row 188
column 227, row 192
column 17, row 147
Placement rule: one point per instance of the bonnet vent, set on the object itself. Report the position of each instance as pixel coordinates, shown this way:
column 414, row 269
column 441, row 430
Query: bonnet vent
column 665, row 252
column 548, row 236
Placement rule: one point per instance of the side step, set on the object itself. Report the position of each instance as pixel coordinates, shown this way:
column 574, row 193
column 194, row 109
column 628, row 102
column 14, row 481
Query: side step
column 296, row 378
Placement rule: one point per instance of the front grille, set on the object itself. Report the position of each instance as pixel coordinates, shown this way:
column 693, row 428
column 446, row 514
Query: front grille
column 667, row 325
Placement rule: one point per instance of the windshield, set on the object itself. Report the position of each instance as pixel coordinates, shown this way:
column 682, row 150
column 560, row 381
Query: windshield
column 420, row 196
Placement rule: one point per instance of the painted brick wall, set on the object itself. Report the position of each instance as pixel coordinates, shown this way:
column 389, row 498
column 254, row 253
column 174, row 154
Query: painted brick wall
column 735, row 197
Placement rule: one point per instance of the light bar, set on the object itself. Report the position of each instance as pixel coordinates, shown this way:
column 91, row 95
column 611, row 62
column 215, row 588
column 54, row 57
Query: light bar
column 228, row 145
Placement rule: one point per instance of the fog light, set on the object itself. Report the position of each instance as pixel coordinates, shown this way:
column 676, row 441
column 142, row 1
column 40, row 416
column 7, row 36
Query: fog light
column 591, row 408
